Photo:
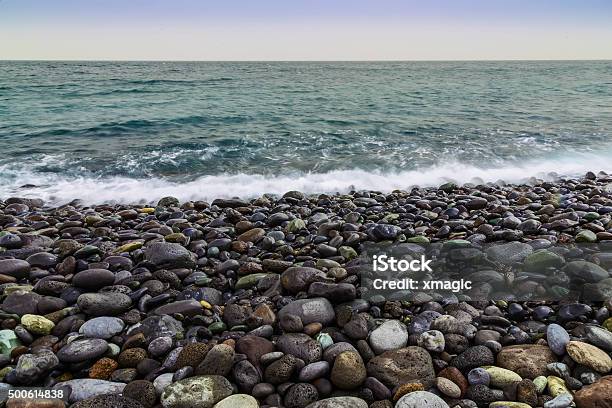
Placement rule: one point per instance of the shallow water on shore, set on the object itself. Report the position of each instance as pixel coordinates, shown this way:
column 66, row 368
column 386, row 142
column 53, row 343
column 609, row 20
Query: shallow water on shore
column 124, row 131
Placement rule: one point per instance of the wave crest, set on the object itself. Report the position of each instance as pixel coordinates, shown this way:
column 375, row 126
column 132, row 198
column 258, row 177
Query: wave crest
column 58, row 189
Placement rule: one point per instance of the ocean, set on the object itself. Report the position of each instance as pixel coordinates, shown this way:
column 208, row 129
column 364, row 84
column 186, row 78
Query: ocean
column 137, row 131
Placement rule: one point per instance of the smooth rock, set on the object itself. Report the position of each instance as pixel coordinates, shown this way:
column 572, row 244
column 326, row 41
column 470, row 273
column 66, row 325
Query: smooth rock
column 391, row 335
column 421, row 399
column 196, row 392
column 590, row 356
column 102, row 327
column 401, row 366
column 84, row 388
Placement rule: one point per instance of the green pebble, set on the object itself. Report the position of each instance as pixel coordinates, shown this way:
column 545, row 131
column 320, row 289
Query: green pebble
column 113, row 350
column 347, row 252
column 586, row 236
column 501, row 377
column 202, row 281
column 4, row 372
column 389, row 217
column 8, row 341
column 249, row 280
column 176, row 237
column 327, row 263
column 217, row 327
column 324, row 340
column 540, row 384
column 129, row 247
column 37, row 324
column 296, row 225
column 419, row 239
column 591, row 216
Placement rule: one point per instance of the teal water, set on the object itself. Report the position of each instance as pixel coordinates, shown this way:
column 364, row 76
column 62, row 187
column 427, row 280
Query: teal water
column 130, row 130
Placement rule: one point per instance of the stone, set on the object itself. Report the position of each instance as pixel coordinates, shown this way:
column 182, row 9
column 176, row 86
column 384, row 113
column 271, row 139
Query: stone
column 141, row 391
column 298, row 278
column 161, row 382
column 192, row 354
column 590, row 356
column 540, row 383
column 8, row 341
column 501, row 377
column 103, row 368
column 102, row 327
column 391, row 335
column 557, row 338
column 301, row 346
column 401, row 366
column 313, row 371
column 93, row 279
column 473, row 357
column 300, row 395
column 16, row 268
column 246, row 375
column 104, row 303
column 252, row 235
column 556, row 385
column 448, row 388
column 165, row 255
column 509, row 253
column 432, row 340
column 84, row 388
column 453, row 374
column 339, row 402
column 238, row 401
column 560, row 401
column 315, row 310
column 218, row 361
column 107, row 400
column 37, row 324
column 33, row 367
column 82, row 350
column 254, row 347
column 599, row 337
column 584, row 271
column 527, row 360
column 542, row 259
column 281, row 370
column 526, row 392
column 596, row 395
column 190, row 307
column 421, row 399
column 160, row 326
column 586, row 236
column 348, row 371
column 479, row 376
column 21, row 302
column 199, row 391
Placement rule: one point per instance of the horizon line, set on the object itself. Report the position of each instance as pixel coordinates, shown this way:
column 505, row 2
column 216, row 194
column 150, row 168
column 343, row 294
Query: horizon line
column 313, row 60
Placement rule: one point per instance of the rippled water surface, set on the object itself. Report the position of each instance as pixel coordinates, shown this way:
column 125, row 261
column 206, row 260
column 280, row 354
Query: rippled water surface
column 131, row 130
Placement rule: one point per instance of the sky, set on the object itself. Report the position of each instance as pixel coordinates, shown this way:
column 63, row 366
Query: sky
column 305, row 29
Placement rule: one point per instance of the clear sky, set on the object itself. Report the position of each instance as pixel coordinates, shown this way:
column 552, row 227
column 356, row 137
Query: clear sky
column 305, row 29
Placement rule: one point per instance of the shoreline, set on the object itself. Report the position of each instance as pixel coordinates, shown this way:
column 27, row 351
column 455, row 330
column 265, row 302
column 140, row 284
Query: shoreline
column 257, row 302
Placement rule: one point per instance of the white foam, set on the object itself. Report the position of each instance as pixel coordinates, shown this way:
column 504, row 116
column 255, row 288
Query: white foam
column 55, row 189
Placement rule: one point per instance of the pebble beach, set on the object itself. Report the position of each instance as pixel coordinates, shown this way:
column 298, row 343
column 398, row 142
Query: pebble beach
column 238, row 303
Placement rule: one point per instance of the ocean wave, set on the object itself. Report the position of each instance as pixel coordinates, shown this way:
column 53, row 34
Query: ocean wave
column 58, row 188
